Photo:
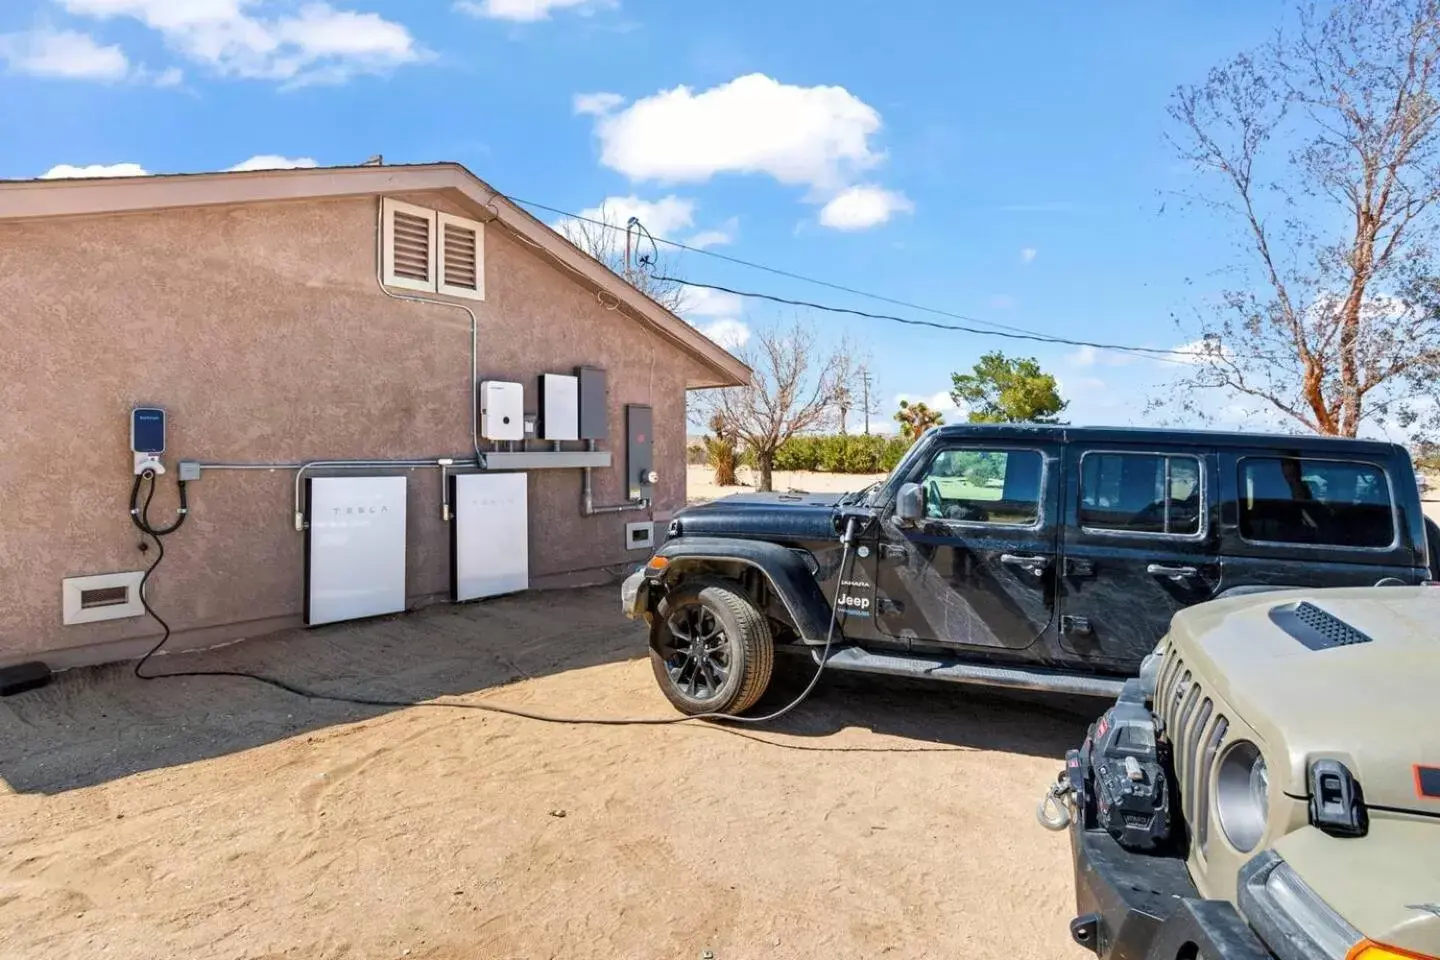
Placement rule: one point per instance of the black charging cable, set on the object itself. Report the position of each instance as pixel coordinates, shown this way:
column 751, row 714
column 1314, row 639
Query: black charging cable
column 141, row 517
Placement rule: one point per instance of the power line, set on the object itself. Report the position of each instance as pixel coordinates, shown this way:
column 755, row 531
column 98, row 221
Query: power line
column 1154, row 352
column 1014, row 333
column 774, row 270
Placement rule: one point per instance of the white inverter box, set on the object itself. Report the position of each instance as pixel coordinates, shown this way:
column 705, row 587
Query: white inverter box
column 354, row 548
column 489, row 535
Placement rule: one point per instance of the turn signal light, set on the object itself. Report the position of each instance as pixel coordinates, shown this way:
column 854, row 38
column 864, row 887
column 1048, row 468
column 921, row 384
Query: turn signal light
column 657, row 564
column 1365, row 950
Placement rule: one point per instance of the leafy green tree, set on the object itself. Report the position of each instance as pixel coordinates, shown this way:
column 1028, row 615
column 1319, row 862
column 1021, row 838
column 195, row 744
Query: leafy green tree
column 1009, row 390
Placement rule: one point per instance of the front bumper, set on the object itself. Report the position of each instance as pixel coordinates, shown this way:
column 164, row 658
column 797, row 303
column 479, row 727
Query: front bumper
column 633, row 595
column 1142, row 907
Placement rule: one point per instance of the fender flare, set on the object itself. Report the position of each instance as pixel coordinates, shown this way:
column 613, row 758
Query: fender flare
column 787, row 574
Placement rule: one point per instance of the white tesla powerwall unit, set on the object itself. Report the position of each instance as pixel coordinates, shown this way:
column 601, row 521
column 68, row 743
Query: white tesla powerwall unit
column 489, row 535
column 354, row 548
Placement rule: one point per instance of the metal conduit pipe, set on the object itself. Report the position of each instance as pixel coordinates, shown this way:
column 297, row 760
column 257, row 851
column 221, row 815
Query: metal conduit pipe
column 474, row 398
column 587, row 497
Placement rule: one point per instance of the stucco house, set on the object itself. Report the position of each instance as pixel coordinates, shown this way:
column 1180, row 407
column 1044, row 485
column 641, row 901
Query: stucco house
column 285, row 318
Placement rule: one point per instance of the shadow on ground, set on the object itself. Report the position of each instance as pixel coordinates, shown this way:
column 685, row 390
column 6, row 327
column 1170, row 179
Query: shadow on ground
column 98, row 724
column 95, row 725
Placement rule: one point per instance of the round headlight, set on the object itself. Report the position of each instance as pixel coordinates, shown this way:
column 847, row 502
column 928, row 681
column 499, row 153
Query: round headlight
column 1242, row 795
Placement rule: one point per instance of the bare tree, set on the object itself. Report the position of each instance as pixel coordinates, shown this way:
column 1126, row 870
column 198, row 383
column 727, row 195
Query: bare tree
column 792, row 391
column 1322, row 147
column 643, row 263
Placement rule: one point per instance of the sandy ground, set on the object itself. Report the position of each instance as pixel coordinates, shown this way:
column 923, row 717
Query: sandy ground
column 700, row 482
column 203, row 818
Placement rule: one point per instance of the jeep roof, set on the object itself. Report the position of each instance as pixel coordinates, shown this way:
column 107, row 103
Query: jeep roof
column 1064, row 433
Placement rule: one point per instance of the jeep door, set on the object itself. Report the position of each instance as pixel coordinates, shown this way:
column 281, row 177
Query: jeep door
column 979, row 569
column 1141, row 542
column 1317, row 520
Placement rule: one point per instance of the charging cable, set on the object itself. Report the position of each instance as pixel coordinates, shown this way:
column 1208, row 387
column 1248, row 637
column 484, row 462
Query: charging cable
column 140, row 516
column 142, row 521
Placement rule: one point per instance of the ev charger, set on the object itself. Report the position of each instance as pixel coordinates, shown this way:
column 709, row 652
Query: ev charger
column 147, row 438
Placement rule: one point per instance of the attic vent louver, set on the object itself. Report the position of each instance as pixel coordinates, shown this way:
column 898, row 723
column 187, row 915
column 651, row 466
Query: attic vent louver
column 1317, row 629
column 433, row 252
column 412, row 247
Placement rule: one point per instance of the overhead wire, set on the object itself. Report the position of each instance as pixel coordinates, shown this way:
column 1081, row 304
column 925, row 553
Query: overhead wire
column 1017, row 333
column 1154, row 352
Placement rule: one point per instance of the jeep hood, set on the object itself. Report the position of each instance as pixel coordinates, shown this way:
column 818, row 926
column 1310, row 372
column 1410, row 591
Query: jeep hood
column 1372, row 704
column 1386, row 885
column 781, row 516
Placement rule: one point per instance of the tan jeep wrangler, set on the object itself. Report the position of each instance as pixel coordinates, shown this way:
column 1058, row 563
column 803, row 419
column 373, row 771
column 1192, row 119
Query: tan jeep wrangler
column 1269, row 787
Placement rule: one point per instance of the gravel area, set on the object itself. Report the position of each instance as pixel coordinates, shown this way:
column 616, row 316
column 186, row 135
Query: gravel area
column 197, row 818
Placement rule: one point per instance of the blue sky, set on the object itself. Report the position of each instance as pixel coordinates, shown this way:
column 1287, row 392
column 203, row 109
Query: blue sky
column 1003, row 161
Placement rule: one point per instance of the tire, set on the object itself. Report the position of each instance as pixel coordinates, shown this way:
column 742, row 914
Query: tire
column 739, row 651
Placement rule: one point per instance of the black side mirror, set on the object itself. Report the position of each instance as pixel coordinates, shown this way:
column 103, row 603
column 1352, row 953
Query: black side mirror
column 910, row 504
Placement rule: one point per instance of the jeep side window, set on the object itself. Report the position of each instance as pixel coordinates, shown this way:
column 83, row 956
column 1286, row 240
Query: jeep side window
column 1327, row 502
column 984, row 486
column 1140, row 493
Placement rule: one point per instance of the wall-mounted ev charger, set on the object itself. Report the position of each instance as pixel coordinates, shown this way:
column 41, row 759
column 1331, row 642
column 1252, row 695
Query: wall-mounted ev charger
column 147, row 438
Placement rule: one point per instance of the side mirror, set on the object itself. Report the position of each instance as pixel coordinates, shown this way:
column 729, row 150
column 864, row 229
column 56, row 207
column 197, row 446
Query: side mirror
column 910, row 504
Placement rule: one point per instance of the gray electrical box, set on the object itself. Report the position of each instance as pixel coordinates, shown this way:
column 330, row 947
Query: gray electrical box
column 594, row 404
column 639, row 452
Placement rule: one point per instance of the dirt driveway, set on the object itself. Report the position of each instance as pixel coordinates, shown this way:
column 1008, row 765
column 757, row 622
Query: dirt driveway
column 220, row 818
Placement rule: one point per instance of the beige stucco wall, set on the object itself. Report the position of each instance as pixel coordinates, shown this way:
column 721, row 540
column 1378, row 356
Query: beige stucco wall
column 262, row 332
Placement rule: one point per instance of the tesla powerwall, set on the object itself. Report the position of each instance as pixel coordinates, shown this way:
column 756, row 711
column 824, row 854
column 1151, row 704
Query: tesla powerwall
column 354, row 548
column 489, row 535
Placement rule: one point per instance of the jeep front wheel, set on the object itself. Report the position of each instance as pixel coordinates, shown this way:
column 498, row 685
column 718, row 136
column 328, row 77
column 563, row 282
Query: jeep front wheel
column 711, row 649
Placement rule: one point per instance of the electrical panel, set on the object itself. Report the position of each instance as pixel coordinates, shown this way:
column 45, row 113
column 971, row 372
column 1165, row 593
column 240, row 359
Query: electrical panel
column 594, row 404
column 489, row 535
column 354, row 548
column 502, row 410
column 639, row 452
column 559, row 407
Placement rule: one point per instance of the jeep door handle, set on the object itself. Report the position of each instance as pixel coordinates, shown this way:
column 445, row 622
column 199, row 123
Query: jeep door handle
column 1033, row 565
column 1174, row 573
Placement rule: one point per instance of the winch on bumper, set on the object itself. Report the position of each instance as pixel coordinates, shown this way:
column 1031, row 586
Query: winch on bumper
column 1139, row 906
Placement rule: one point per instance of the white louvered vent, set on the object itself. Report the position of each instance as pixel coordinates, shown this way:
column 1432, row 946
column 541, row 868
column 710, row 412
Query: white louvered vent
column 462, row 257
column 409, row 246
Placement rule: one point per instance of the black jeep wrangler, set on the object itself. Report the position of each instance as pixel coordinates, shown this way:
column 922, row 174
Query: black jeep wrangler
column 1039, row 557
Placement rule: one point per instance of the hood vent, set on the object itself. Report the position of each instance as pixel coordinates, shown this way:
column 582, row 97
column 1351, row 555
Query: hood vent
column 1315, row 628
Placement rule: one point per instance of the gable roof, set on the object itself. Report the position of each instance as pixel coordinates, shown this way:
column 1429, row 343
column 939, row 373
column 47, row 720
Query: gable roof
column 36, row 199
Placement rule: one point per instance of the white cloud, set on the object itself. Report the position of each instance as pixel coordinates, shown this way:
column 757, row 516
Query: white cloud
column 863, row 206
column 716, row 237
column 596, row 104
column 661, row 217
column 66, row 171
column 1028, row 255
column 729, row 333
column 817, row 136
column 703, row 302
column 311, row 42
column 63, row 54
column 170, row 77
column 270, row 161
column 526, row 11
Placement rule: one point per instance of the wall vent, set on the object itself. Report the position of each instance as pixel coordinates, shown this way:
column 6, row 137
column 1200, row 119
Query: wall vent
column 433, row 252
column 107, row 596
column 462, row 257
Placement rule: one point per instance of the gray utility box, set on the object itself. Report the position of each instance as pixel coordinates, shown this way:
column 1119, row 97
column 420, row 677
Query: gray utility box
column 639, row 452
column 594, row 404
